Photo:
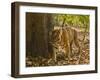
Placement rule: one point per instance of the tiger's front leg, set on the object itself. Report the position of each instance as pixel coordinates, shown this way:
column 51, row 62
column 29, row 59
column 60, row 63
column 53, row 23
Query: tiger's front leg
column 55, row 54
column 69, row 52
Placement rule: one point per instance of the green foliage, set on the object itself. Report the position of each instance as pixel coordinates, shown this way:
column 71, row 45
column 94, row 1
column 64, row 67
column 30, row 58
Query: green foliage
column 78, row 21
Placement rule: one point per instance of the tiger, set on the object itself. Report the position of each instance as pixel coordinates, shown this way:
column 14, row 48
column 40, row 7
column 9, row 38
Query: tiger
column 61, row 40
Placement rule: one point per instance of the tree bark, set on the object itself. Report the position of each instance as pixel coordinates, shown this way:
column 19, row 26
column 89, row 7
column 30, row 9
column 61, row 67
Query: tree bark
column 36, row 34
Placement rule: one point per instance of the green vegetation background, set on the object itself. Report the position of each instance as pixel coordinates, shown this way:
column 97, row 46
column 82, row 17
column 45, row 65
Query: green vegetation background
column 77, row 21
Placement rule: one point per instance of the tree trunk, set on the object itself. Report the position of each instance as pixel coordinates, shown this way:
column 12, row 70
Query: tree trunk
column 36, row 34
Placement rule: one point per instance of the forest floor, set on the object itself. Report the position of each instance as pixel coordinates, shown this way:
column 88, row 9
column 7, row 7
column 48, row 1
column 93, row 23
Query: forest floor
column 82, row 58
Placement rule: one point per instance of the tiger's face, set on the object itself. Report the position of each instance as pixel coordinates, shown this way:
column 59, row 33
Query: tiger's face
column 55, row 36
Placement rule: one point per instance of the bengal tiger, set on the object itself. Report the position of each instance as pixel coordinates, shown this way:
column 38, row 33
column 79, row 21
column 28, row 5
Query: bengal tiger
column 62, row 39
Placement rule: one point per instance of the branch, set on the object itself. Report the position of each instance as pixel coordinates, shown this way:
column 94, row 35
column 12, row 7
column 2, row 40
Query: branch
column 63, row 22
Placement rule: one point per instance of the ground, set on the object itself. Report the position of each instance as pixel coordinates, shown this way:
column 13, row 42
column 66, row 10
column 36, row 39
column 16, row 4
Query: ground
column 82, row 58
